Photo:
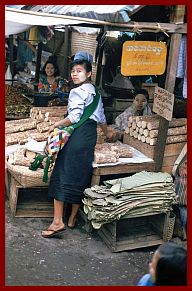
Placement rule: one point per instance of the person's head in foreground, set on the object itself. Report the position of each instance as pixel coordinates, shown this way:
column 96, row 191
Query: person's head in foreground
column 169, row 265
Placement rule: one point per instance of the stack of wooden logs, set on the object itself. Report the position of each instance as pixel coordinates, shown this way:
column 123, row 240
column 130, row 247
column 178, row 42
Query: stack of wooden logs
column 48, row 112
column 35, row 127
column 145, row 129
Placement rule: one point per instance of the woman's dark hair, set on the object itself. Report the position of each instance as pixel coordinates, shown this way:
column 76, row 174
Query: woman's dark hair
column 143, row 92
column 53, row 62
column 87, row 65
column 171, row 269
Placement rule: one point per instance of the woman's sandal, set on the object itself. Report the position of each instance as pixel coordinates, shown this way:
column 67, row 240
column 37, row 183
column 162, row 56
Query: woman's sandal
column 53, row 233
column 72, row 225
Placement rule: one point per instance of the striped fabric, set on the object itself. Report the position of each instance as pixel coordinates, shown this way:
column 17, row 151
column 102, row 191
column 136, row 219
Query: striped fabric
column 181, row 182
column 181, row 189
column 57, row 139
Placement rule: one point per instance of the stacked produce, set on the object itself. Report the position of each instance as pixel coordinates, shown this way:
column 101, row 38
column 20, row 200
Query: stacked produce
column 15, row 104
column 111, row 152
column 36, row 127
column 24, row 157
column 115, row 134
column 145, row 129
column 48, row 113
column 140, row 194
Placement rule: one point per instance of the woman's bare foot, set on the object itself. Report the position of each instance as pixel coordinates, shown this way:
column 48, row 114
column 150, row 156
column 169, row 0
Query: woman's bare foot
column 53, row 229
column 71, row 222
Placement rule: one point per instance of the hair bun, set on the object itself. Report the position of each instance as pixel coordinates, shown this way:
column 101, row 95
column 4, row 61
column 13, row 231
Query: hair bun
column 81, row 55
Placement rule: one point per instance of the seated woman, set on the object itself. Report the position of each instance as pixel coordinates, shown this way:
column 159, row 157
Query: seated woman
column 139, row 107
column 49, row 81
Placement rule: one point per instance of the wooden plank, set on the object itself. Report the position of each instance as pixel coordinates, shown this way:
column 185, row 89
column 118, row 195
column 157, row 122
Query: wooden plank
column 106, row 240
column 169, row 86
column 146, row 149
column 95, row 179
column 13, row 196
column 32, row 213
column 169, row 161
column 127, row 247
column 109, row 236
column 167, row 169
column 152, row 231
column 124, row 168
column 7, row 182
column 112, row 228
column 173, row 149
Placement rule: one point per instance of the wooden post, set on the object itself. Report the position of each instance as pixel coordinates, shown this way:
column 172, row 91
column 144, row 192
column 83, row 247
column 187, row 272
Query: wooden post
column 66, row 52
column 177, row 16
column 99, row 65
column 38, row 66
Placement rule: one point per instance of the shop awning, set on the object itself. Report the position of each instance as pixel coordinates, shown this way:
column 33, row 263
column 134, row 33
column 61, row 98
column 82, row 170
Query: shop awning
column 19, row 20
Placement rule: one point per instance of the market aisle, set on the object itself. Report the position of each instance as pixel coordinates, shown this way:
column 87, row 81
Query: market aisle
column 77, row 259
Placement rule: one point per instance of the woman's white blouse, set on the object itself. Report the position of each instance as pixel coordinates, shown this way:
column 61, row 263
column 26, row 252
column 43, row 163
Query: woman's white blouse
column 81, row 97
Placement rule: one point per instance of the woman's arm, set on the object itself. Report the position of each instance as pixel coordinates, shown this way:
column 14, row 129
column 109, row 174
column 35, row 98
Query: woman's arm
column 61, row 123
column 107, row 133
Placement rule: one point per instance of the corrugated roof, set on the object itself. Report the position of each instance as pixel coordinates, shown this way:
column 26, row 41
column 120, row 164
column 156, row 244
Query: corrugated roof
column 109, row 13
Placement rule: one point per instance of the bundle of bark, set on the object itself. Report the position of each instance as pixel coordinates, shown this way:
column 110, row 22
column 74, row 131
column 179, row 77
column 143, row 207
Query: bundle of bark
column 24, row 157
column 48, row 112
column 145, row 129
column 116, row 134
column 144, row 193
column 18, row 131
column 111, row 152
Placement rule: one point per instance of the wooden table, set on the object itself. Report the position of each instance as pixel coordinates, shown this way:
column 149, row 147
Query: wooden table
column 120, row 169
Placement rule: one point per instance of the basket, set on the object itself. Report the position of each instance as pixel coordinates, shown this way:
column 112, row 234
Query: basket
column 42, row 99
column 167, row 236
column 26, row 177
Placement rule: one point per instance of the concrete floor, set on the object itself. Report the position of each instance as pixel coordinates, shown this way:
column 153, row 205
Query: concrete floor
column 76, row 258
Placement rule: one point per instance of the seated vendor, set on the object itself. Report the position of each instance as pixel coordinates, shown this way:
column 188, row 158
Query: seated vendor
column 49, row 81
column 139, row 107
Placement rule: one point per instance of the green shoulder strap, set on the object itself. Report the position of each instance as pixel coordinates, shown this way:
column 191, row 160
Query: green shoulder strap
column 88, row 110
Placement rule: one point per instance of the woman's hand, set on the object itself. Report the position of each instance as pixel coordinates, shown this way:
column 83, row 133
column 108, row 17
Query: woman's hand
column 109, row 134
column 51, row 128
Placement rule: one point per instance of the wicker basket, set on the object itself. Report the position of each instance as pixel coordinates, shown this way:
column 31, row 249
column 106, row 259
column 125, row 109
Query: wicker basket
column 26, row 177
column 170, row 227
column 85, row 42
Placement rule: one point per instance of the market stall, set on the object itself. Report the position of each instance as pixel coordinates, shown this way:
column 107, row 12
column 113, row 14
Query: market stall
column 156, row 143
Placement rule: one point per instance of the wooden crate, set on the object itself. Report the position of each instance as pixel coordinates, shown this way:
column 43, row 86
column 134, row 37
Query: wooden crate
column 29, row 202
column 130, row 233
column 171, row 151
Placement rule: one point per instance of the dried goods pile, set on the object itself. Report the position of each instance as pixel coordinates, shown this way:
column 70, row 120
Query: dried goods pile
column 115, row 134
column 36, row 127
column 145, row 129
column 144, row 193
column 111, row 152
column 15, row 104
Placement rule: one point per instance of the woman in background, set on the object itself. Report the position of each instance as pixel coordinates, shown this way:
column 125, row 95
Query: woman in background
column 139, row 107
column 50, row 81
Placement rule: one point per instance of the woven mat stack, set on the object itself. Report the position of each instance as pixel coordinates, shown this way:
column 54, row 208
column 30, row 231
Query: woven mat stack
column 144, row 193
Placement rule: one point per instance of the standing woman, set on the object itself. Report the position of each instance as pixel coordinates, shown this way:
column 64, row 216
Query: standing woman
column 49, row 81
column 73, row 167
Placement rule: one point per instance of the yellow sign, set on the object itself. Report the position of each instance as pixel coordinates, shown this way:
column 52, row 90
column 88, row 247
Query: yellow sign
column 163, row 103
column 143, row 58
